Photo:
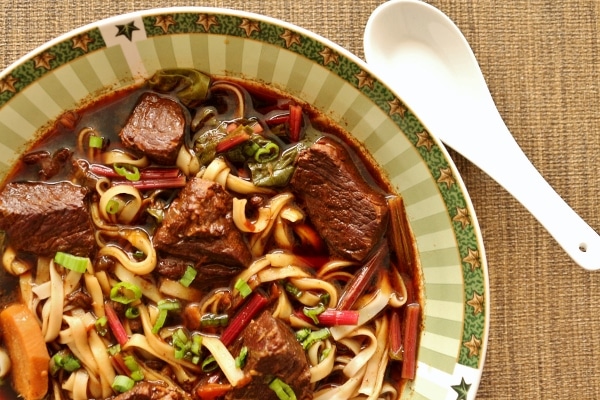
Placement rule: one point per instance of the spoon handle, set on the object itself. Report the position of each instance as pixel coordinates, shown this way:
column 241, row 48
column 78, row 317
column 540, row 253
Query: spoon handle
column 498, row 154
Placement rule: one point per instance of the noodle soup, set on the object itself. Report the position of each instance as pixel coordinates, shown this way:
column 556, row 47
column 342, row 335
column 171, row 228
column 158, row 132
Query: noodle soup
column 205, row 238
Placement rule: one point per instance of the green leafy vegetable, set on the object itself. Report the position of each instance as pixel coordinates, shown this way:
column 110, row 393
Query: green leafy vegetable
column 191, row 86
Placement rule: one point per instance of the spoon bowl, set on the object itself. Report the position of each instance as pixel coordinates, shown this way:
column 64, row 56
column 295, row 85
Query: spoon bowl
column 425, row 59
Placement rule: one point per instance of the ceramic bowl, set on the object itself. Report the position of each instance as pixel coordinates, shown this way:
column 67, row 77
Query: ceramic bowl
column 123, row 50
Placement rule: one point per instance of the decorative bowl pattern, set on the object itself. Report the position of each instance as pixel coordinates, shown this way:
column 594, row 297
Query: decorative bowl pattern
column 121, row 51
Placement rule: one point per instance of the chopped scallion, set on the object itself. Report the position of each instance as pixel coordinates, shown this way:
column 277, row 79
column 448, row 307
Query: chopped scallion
column 96, row 142
column 132, row 313
column 240, row 360
column 214, row 320
column 314, row 337
column 189, row 276
column 293, row 290
column 282, row 390
column 302, row 334
column 137, row 375
column 125, row 293
column 101, row 326
column 114, row 349
column 122, row 383
column 64, row 360
column 74, row 263
column 209, row 364
column 169, row 305
column 131, row 363
column 160, row 321
column 313, row 312
column 113, row 206
column 243, row 287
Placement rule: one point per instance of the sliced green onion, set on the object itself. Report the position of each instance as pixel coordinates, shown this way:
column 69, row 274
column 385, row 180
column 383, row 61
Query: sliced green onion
column 209, row 364
column 169, row 305
column 122, row 383
column 137, row 375
column 96, row 142
column 293, row 290
column 74, row 263
column 188, row 276
column 160, row 321
column 125, row 293
column 196, row 344
column 243, row 287
column 180, row 343
column 131, row 363
column 214, row 320
column 282, row 390
column 325, row 298
column 129, row 172
column 101, row 325
column 64, row 360
column 302, row 334
column 240, row 360
column 324, row 354
column 313, row 312
column 113, row 206
column 114, row 349
column 139, row 255
column 132, row 313
column 314, row 337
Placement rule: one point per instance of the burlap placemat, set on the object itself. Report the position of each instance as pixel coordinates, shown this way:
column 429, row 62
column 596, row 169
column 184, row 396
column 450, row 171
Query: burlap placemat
column 540, row 59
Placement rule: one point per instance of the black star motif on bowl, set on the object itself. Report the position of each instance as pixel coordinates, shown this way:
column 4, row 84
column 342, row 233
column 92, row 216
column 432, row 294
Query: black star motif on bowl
column 127, row 30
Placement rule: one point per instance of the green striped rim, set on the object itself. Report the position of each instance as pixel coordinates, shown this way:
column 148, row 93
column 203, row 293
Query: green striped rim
column 69, row 71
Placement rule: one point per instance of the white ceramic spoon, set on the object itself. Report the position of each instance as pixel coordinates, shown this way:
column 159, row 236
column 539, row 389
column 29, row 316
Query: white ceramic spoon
column 425, row 59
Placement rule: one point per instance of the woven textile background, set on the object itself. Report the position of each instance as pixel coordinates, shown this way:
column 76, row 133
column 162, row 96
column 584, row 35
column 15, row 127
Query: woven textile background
column 541, row 61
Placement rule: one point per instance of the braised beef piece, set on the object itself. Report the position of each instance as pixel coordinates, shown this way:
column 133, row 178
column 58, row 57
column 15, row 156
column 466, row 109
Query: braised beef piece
column 80, row 299
column 147, row 390
column 49, row 164
column 156, row 128
column 199, row 226
column 208, row 276
column 273, row 352
column 45, row 218
column 349, row 213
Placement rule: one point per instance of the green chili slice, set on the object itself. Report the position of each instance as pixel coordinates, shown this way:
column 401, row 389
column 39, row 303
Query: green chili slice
column 129, row 172
column 267, row 153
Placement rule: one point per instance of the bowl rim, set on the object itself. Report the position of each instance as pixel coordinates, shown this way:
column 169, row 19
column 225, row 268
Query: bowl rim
column 340, row 50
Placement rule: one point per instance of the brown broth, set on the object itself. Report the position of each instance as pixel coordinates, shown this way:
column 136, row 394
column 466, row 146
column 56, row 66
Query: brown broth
column 109, row 113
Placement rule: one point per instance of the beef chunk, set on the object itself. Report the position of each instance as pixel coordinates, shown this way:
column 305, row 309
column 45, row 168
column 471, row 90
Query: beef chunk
column 152, row 391
column 156, row 128
column 208, row 276
column 349, row 213
column 273, row 352
column 45, row 218
column 199, row 226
